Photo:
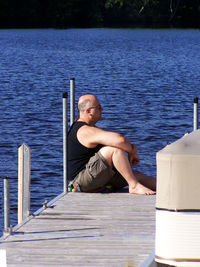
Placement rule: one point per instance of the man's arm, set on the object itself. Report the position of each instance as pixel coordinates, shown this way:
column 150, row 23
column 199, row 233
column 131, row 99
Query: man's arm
column 90, row 136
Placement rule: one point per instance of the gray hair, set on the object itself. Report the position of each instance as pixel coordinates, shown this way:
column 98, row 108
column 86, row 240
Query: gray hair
column 83, row 105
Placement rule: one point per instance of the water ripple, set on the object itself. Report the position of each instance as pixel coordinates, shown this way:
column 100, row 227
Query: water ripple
column 145, row 79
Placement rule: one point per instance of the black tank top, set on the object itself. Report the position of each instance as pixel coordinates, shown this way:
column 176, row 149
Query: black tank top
column 78, row 155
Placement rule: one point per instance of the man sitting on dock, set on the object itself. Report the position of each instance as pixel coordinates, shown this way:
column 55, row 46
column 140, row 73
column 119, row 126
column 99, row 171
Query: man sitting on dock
column 97, row 157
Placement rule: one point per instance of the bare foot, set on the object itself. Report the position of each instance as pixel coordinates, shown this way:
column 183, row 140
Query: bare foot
column 140, row 189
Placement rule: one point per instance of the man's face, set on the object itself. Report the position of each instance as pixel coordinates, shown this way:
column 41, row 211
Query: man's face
column 96, row 111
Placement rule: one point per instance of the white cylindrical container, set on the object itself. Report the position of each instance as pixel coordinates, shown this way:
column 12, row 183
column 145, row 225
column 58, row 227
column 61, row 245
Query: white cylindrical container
column 178, row 202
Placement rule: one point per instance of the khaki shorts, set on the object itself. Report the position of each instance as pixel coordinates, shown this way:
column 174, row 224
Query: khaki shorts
column 96, row 174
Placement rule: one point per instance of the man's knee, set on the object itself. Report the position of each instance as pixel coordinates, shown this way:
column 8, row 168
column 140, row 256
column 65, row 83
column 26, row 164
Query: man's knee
column 108, row 151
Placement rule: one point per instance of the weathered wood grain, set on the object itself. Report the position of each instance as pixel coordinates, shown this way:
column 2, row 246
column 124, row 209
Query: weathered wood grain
column 82, row 229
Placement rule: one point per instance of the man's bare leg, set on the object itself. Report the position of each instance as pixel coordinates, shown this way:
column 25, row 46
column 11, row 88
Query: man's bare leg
column 146, row 180
column 118, row 158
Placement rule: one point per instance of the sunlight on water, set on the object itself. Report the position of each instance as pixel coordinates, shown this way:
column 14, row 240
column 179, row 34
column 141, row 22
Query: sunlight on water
column 145, row 79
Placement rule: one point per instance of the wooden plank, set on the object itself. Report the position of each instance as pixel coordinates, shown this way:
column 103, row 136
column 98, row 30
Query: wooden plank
column 82, row 229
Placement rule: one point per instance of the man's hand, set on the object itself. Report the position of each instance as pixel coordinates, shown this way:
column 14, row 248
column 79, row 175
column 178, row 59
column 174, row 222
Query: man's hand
column 133, row 156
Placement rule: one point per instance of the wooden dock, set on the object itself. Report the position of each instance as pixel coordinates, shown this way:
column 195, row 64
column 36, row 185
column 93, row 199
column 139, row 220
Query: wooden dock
column 86, row 229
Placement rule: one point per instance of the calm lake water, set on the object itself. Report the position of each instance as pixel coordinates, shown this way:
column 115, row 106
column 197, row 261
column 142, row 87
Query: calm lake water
column 145, row 79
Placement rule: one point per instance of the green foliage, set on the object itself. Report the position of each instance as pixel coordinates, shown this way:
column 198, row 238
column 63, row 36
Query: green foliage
column 95, row 13
column 112, row 3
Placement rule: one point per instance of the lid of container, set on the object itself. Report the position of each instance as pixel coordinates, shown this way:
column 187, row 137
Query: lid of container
column 188, row 144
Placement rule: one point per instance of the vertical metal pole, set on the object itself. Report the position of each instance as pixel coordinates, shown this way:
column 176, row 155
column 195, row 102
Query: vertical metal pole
column 65, row 183
column 6, row 203
column 195, row 125
column 72, row 100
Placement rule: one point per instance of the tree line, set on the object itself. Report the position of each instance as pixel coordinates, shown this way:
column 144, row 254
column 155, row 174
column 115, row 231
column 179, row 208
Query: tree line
column 99, row 13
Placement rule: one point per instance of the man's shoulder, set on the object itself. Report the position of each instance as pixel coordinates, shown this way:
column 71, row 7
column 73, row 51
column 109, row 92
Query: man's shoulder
column 78, row 124
column 86, row 127
column 89, row 131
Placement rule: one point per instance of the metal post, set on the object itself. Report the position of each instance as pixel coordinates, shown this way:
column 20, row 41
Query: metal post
column 6, row 203
column 65, row 183
column 72, row 100
column 195, row 113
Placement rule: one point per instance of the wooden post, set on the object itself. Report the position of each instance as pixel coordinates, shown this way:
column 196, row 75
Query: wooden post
column 24, row 163
column 3, row 262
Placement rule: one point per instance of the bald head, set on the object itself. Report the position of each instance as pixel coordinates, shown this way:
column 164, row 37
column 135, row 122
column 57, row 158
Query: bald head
column 85, row 102
column 90, row 109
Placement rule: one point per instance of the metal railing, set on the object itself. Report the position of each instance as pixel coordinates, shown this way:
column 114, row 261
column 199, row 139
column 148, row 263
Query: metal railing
column 195, row 122
column 24, row 168
column 24, row 164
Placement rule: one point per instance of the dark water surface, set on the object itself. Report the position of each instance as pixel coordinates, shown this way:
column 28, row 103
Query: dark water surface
column 145, row 79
